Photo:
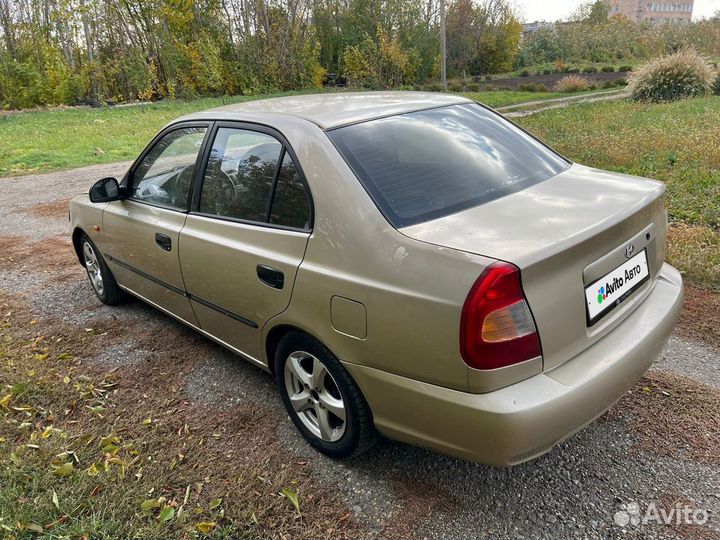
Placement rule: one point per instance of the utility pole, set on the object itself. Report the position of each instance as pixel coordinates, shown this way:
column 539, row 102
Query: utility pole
column 443, row 53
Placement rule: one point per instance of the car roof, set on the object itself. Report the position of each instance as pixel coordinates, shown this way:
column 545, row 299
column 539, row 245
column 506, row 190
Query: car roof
column 332, row 109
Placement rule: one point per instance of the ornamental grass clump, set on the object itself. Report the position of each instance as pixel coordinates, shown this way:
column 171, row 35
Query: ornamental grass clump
column 572, row 83
column 676, row 76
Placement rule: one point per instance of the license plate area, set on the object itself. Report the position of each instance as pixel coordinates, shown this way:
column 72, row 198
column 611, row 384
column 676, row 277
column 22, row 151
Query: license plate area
column 605, row 294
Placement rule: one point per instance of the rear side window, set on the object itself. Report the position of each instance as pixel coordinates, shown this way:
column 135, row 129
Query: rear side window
column 424, row 165
column 291, row 206
column 239, row 175
column 251, row 177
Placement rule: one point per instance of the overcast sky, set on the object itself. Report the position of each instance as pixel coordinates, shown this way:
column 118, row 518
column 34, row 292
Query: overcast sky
column 539, row 10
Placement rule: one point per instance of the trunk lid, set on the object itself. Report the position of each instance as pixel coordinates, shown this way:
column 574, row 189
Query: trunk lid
column 564, row 234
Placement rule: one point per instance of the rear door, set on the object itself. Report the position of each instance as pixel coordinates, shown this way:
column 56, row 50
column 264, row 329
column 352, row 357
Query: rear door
column 141, row 233
column 246, row 235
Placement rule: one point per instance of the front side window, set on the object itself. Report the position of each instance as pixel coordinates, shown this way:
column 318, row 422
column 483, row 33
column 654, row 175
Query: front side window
column 428, row 164
column 165, row 173
column 250, row 177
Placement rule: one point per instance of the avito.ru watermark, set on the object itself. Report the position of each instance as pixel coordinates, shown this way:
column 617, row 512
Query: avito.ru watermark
column 630, row 514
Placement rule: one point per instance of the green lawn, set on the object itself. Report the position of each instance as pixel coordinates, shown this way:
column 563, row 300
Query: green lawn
column 504, row 98
column 43, row 141
column 676, row 143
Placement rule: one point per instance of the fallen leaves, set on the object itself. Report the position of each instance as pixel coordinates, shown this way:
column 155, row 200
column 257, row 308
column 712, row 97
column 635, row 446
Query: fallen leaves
column 131, row 439
column 290, row 495
column 151, row 506
column 5, row 402
column 63, row 470
column 205, row 527
column 166, row 514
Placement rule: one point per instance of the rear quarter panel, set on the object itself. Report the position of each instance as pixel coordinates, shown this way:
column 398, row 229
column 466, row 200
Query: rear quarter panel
column 412, row 291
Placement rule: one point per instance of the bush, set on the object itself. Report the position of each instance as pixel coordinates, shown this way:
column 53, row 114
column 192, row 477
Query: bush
column 488, row 77
column 590, row 69
column 524, row 73
column 716, row 85
column 625, row 68
column 607, row 84
column 676, row 76
column 608, row 69
column 620, row 82
column 455, row 87
column 433, row 87
column 572, row 70
column 547, row 71
column 572, row 83
column 531, row 87
column 473, row 87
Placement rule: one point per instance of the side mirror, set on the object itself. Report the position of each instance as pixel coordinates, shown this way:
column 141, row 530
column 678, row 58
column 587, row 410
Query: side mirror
column 105, row 190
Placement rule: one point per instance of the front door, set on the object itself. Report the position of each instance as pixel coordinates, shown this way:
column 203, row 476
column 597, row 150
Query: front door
column 142, row 231
column 246, row 236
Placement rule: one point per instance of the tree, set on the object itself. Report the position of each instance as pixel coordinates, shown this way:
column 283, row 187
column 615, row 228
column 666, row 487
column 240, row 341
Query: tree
column 482, row 37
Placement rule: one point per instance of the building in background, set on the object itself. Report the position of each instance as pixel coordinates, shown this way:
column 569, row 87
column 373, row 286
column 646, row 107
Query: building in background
column 529, row 28
column 643, row 10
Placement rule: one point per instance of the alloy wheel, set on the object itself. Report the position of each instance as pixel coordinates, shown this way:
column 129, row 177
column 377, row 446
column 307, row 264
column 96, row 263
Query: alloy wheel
column 93, row 268
column 315, row 396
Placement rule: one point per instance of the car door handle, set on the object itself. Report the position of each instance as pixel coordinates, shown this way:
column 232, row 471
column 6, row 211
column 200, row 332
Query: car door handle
column 163, row 240
column 272, row 277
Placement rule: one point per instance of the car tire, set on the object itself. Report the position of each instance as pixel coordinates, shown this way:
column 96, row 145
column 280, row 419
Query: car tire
column 316, row 389
column 101, row 278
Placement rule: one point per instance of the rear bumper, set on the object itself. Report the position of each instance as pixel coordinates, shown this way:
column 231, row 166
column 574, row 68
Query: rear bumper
column 524, row 420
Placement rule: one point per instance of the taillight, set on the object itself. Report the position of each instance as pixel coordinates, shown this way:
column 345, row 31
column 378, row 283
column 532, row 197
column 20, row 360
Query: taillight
column 497, row 328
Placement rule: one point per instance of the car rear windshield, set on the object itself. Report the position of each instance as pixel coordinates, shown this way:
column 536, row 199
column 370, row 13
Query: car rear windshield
column 427, row 164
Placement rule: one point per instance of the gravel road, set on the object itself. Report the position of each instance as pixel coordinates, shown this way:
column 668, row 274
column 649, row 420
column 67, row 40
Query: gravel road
column 395, row 490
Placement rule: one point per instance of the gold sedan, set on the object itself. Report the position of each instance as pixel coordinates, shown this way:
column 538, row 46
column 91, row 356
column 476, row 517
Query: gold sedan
column 404, row 263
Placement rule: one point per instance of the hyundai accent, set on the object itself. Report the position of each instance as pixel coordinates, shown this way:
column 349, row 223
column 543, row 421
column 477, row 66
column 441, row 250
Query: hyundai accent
column 409, row 264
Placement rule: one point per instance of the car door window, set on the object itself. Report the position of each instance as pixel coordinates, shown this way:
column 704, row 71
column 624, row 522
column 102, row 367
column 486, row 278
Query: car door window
column 165, row 174
column 291, row 205
column 240, row 174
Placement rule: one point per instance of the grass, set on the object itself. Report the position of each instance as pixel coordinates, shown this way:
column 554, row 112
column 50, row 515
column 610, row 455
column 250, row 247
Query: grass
column 685, row 411
column 695, row 251
column 90, row 453
column 44, row 141
column 673, row 142
column 505, row 98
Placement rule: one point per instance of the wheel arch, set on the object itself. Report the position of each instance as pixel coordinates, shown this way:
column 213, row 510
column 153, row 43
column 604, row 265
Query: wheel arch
column 76, row 235
column 273, row 338
column 276, row 333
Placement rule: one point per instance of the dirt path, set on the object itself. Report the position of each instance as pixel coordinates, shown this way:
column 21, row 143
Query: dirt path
column 395, row 490
column 533, row 107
